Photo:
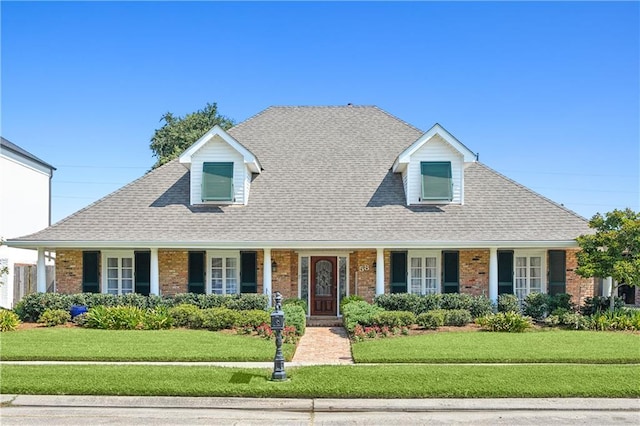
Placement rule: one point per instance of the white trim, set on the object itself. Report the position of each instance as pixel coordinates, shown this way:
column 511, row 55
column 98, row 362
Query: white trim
column 119, row 254
column 379, row 271
column 249, row 159
column 224, row 255
column 403, row 159
column 528, row 254
column 493, row 274
column 154, row 273
column 267, row 285
column 422, row 254
column 41, row 272
column 293, row 245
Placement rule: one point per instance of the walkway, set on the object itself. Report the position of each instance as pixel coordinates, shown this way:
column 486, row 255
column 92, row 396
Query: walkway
column 323, row 345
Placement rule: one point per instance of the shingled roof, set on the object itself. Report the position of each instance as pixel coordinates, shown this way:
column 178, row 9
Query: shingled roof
column 326, row 182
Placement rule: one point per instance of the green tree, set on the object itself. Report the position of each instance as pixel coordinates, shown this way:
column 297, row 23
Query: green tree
column 613, row 250
column 179, row 133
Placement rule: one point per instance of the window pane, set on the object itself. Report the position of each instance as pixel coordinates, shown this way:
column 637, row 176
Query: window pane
column 436, row 180
column 217, row 181
column 112, row 273
column 304, row 278
column 342, row 276
column 112, row 262
column 127, row 273
column 216, row 262
column 127, row 262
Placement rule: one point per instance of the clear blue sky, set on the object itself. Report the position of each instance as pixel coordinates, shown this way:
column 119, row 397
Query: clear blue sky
column 548, row 93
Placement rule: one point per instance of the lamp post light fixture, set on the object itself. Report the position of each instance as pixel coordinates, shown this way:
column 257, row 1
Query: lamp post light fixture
column 277, row 325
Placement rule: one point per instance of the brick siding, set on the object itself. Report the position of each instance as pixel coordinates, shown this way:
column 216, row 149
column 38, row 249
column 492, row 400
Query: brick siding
column 69, row 271
column 474, row 272
column 173, row 271
column 579, row 288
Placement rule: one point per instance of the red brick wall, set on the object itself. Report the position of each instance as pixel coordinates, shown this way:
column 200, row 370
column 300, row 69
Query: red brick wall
column 173, row 271
column 285, row 279
column 579, row 288
column 474, row 272
column 69, row 271
column 366, row 278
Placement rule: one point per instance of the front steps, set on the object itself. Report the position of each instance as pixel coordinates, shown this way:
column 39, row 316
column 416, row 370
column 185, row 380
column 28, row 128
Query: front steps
column 323, row 321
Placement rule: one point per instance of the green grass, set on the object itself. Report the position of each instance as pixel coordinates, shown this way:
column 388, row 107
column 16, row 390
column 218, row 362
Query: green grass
column 389, row 381
column 80, row 344
column 541, row 346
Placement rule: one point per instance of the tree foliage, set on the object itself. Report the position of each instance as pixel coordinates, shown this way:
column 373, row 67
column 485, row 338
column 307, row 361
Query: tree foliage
column 179, row 133
column 614, row 249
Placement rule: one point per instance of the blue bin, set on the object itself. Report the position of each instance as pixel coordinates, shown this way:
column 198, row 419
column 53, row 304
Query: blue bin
column 77, row 310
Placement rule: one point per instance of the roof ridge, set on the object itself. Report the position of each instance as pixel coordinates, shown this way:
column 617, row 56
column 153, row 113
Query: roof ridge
column 111, row 194
column 399, row 119
column 531, row 191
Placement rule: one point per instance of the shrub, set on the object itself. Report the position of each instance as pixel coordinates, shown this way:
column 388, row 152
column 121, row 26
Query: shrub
column 157, row 319
column 457, row 317
column 567, row 319
column 9, row 320
column 431, row 319
column 80, row 320
column 53, row 317
column 394, row 319
column 508, row 303
column 351, row 298
column 618, row 320
column 451, row 301
column 132, row 299
column 253, row 318
column 560, row 301
column 593, row 305
column 298, row 302
column 359, row 312
column 246, row 302
column 536, row 305
column 215, row 319
column 186, row 299
column 509, row 321
column 115, row 318
column 398, row 302
column 480, row 306
column 295, row 316
column 186, row 315
column 33, row 305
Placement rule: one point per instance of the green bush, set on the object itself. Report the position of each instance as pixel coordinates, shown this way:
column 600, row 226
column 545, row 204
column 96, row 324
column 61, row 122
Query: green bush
column 560, row 301
column 215, row 319
column 349, row 299
column 431, row 319
column 253, row 318
column 115, row 318
column 33, row 305
column 359, row 312
column 567, row 319
column 480, row 306
column 622, row 319
column 53, row 317
column 298, row 302
column 394, row 319
column 294, row 316
column 9, row 320
column 246, row 302
column 80, row 320
column 508, row 303
column 186, row 315
column 132, row 299
column 477, row 305
column 451, row 301
column 509, row 321
column 457, row 317
column 594, row 305
column 536, row 305
column 398, row 302
column 157, row 319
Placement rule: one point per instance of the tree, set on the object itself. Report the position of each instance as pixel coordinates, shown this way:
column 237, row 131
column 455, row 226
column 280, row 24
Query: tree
column 179, row 133
column 613, row 251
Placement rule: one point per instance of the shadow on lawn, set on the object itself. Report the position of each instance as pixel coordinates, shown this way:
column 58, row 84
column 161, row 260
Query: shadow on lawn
column 244, row 378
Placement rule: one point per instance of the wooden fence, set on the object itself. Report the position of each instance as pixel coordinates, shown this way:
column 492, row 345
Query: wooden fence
column 25, row 280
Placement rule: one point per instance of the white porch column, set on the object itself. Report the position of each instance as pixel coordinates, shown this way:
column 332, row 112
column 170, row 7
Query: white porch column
column 606, row 286
column 41, row 272
column 266, row 278
column 493, row 274
column 379, row 271
column 154, row 276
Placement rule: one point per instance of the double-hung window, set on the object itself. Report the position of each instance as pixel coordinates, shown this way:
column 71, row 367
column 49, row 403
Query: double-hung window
column 217, row 181
column 528, row 277
column 118, row 268
column 424, row 273
column 224, row 273
column 437, row 184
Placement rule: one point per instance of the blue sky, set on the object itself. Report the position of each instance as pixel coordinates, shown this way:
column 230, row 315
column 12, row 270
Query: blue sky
column 548, row 93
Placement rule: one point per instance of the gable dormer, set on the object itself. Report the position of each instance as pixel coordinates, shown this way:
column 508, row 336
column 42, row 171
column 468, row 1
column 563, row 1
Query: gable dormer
column 432, row 168
column 221, row 169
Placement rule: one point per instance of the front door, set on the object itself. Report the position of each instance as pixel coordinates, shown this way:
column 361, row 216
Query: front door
column 323, row 286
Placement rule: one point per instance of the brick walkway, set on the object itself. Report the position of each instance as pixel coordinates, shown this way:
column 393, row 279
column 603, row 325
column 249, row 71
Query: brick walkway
column 324, row 345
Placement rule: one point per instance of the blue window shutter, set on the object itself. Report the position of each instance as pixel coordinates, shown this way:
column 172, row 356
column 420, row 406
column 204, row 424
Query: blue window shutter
column 217, row 182
column 436, row 180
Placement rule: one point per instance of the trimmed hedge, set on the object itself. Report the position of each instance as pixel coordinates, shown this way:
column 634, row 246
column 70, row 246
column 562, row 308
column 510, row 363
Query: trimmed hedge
column 359, row 312
column 298, row 302
column 294, row 316
column 511, row 322
column 394, row 319
column 477, row 305
column 53, row 317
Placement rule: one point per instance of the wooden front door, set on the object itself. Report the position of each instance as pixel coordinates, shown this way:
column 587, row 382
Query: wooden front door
column 324, row 286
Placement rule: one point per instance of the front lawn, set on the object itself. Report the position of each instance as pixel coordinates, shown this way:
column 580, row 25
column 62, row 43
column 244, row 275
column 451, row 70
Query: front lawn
column 540, row 346
column 81, row 344
column 381, row 381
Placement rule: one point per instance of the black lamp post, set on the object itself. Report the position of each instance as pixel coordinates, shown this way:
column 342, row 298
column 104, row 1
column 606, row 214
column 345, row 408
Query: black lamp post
column 277, row 325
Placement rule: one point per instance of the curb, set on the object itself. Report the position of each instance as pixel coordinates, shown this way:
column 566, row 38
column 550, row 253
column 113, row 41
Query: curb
column 329, row 405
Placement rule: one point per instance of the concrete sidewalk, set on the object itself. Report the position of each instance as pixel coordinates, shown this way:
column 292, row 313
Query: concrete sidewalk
column 328, row 404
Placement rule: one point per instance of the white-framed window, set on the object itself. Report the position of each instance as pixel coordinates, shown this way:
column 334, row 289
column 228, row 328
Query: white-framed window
column 424, row 272
column 529, row 277
column 118, row 272
column 223, row 272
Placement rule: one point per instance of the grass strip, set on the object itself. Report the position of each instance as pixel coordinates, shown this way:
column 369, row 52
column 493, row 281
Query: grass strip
column 388, row 381
column 558, row 346
column 80, row 344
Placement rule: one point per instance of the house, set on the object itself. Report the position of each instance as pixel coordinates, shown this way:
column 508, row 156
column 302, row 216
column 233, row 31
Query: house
column 320, row 203
column 25, row 207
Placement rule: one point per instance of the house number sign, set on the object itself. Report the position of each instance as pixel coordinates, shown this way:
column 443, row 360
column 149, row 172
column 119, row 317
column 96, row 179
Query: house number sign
column 364, row 268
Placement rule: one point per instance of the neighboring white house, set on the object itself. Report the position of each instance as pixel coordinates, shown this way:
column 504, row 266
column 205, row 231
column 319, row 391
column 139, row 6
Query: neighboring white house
column 25, row 207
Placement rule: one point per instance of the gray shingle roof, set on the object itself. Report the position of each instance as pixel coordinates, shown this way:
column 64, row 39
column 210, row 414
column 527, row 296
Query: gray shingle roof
column 326, row 179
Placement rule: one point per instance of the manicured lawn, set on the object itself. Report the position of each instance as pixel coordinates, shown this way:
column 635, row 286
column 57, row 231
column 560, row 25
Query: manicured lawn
column 390, row 381
column 80, row 344
column 540, row 346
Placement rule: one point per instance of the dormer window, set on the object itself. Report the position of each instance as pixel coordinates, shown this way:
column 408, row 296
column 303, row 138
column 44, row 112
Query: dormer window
column 436, row 181
column 217, row 181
